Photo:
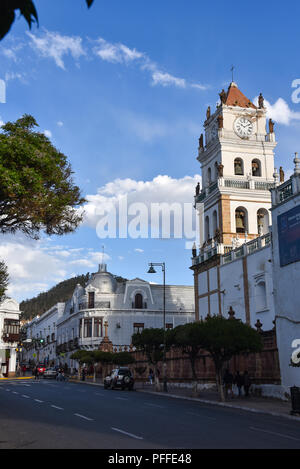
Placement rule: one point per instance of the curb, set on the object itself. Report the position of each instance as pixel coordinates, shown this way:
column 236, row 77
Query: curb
column 14, row 379
column 224, row 404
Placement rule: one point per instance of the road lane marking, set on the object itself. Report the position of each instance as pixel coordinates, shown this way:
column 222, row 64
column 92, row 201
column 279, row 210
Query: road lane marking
column 126, row 433
column 24, row 395
column 122, row 398
column 38, row 400
column 83, row 417
column 201, row 415
column 56, row 407
column 274, row 433
column 155, row 405
column 15, row 392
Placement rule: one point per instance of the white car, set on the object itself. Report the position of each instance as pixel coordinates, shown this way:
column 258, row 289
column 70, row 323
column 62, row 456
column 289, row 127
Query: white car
column 50, row 373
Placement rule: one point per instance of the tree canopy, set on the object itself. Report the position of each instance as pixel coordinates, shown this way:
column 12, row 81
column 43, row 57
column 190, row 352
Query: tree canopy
column 4, row 277
column 27, row 10
column 189, row 339
column 224, row 338
column 37, row 192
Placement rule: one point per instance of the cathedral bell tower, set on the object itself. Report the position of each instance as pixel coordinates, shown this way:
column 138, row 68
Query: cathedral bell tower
column 237, row 163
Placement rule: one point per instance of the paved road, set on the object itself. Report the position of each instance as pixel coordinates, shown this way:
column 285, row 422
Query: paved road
column 49, row 414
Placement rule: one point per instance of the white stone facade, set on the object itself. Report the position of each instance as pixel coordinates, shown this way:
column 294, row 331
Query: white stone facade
column 286, row 275
column 126, row 306
column 9, row 336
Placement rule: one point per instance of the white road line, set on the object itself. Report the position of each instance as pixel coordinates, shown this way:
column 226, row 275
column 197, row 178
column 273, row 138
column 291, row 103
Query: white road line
column 38, row 400
column 122, row 398
column 155, row 405
column 15, row 392
column 128, row 434
column 56, row 407
column 24, row 395
column 83, row 417
column 201, row 416
column 273, row 433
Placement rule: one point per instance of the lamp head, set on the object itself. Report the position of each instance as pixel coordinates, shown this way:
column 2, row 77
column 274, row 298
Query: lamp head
column 151, row 270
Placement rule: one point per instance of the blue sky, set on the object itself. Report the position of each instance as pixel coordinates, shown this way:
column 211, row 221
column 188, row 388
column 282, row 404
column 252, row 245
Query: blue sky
column 122, row 90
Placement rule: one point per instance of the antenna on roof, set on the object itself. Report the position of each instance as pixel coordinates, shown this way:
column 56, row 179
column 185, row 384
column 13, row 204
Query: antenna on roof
column 232, row 69
column 102, row 266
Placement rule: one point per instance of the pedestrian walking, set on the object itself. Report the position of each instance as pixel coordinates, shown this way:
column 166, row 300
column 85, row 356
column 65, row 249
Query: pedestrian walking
column 151, row 374
column 239, row 381
column 247, row 383
column 228, row 382
column 36, row 373
column 83, row 374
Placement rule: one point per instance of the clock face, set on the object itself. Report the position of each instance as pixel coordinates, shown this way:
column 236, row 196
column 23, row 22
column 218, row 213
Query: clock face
column 243, row 127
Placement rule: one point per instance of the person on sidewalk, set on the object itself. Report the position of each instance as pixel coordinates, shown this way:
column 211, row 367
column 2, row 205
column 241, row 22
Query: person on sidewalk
column 151, row 374
column 247, row 383
column 36, row 373
column 239, row 381
column 228, row 382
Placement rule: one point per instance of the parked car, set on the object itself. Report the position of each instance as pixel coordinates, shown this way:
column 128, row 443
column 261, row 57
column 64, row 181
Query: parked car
column 119, row 378
column 50, row 373
column 41, row 368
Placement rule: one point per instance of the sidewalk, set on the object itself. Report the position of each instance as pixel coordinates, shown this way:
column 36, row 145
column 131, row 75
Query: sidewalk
column 262, row 405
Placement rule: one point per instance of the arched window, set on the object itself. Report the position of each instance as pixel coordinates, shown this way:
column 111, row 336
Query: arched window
column 215, row 223
column 216, row 171
column 260, row 297
column 238, row 167
column 256, row 168
column 241, row 220
column 138, row 301
column 209, row 175
column 262, row 221
column 207, row 234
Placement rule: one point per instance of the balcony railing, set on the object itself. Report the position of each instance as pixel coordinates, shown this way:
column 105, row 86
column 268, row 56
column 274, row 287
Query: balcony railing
column 234, row 184
column 228, row 254
column 7, row 337
column 286, row 191
column 95, row 305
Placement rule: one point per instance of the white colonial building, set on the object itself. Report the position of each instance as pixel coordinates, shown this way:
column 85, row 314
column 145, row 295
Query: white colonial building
column 286, row 274
column 9, row 336
column 232, row 268
column 120, row 307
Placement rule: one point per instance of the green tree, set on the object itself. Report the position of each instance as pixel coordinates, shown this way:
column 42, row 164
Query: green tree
column 224, row 338
column 189, row 339
column 150, row 341
column 123, row 358
column 4, row 277
column 37, row 192
column 27, row 10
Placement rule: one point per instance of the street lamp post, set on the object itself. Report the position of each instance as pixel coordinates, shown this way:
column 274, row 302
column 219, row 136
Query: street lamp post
column 153, row 271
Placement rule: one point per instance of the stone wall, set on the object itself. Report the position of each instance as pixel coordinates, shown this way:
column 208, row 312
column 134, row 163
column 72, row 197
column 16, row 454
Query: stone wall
column 263, row 367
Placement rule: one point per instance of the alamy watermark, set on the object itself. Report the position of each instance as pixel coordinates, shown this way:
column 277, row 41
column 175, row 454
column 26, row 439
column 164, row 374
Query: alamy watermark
column 2, row 91
column 296, row 94
column 153, row 220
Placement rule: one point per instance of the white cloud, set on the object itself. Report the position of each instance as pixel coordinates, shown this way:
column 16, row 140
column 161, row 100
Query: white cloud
column 48, row 133
column 120, row 53
column 115, row 53
column 56, row 46
column 139, row 250
column 139, row 197
column 35, row 266
column 165, row 79
column 279, row 111
column 60, row 124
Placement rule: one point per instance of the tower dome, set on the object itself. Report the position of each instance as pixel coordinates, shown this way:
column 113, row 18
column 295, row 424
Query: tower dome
column 103, row 280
